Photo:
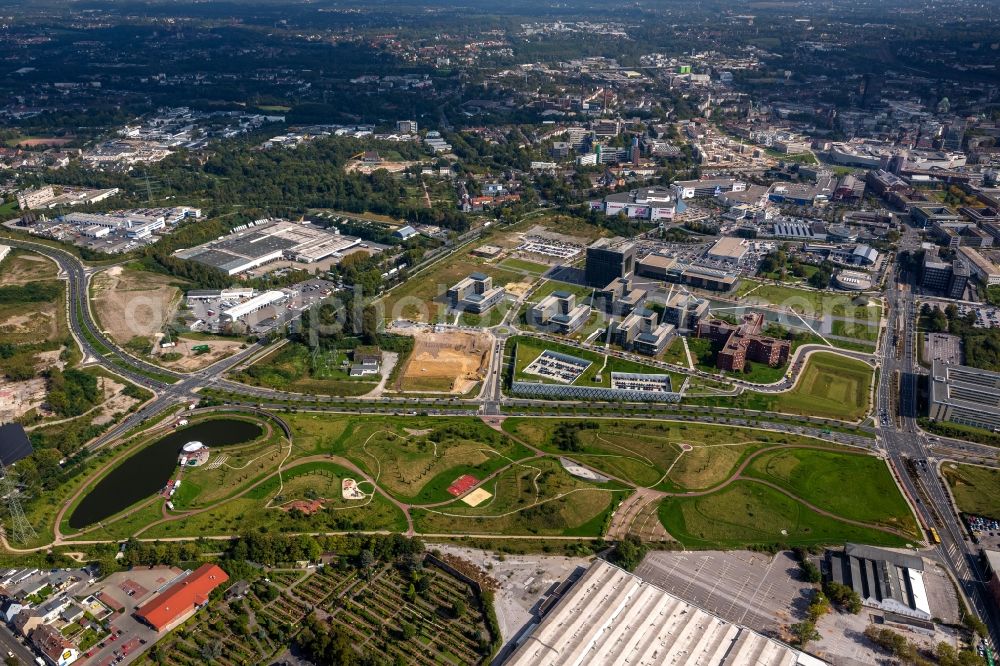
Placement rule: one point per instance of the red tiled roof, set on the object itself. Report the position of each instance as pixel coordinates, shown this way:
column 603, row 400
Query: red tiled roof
column 182, row 596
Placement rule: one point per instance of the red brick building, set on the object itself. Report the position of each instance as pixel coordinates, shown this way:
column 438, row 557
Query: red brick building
column 743, row 342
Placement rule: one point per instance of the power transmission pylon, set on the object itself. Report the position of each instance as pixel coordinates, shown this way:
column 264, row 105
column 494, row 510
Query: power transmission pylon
column 19, row 528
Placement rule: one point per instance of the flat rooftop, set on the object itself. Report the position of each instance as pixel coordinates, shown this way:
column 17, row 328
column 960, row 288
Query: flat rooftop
column 611, row 617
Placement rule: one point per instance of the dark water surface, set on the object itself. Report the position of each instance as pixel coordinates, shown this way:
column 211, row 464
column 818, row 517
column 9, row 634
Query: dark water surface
column 147, row 470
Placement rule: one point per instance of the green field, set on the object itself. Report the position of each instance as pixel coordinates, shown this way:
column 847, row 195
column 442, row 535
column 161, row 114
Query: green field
column 807, row 302
column 975, row 488
column 642, row 452
column 821, row 477
column 534, row 497
column 416, row 459
column 746, row 513
column 713, row 503
column 830, row 386
column 524, row 265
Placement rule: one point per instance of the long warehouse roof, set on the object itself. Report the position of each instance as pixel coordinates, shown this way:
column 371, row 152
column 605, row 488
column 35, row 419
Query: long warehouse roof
column 611, row 617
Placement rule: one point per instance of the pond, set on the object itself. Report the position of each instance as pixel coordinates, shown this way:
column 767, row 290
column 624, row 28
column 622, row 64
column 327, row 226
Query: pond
column 147, row 470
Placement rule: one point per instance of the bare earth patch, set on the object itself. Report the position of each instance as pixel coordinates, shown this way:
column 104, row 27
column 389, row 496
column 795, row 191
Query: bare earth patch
column 218, row 350
column 448, row 362
column 24, row 268
column 19, row 398
column 134, row 303
column 114, row 401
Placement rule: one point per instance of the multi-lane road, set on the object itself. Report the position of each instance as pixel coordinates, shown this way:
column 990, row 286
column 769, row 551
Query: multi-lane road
column 909, row 450
column 899, row 438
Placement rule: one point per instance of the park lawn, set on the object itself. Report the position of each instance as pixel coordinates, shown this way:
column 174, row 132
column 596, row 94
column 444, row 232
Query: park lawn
column 856, row 486
column 859, row 330
column 245, row 465
column 533, row 497
column 552, row 286
column 416, row 459
column 248, row 512
column 974, row 488
column 315, row 433
column 806, row 302
column 674, row 353
column 422, row 297
column 622, row 453
column 125, row 524
column 747, row 513
column 524, row 265
column 830, row 386
column 715, row 450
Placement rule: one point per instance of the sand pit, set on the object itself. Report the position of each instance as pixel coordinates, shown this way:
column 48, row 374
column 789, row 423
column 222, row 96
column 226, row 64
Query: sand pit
column 477, row 497
column 132, row 304
column 445, row 362
column 518, row 289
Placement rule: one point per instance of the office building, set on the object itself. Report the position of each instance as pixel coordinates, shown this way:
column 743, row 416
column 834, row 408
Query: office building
column 620, row 298
column 475, row 294
column 640, row 332
column 964, row 395
column 609, row 259
column 981, row 265
column 872, row 95
column 610, row 617
column 925, row 215
column 684, row 311
column 668, row 269
column 744, row 342
column 559, row 312
column 992, row 558
column 407, row 126
column 884, row 579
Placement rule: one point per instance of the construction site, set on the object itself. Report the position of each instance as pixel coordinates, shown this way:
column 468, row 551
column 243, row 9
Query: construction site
column 446, row 361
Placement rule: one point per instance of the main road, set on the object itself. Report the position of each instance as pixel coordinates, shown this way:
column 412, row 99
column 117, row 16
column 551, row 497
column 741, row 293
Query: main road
column 907, row 448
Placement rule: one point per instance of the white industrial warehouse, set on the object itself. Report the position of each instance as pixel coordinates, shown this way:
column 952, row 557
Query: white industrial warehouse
column 611, row 617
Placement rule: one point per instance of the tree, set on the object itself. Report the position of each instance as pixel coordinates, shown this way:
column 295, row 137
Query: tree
column 804, row 632
column 628, row 553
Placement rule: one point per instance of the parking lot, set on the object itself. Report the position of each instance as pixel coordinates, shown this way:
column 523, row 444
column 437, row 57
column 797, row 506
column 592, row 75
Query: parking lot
column 753, row 589
column 124, row 592
column 301, row 296
column 986, row 316
column 943, row 347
